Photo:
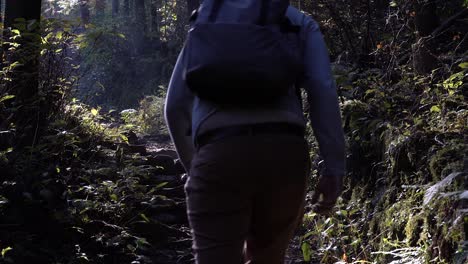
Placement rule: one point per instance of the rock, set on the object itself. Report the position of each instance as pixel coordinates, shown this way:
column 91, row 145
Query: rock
column 177, row 191
column 141, row 161
column 132, row 137
column 105, row 172
column 165, row 162
column 167, row 152
column 160, row 205
column 129, row 111
column 464, row 195
column 141, row 149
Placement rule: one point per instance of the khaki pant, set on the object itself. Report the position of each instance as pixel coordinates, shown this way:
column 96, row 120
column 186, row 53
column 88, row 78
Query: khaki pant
column 245, row 197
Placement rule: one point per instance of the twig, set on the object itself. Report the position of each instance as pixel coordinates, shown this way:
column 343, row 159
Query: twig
column 449, row 22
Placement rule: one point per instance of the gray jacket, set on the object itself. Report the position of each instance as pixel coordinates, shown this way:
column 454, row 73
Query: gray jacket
column 188, row 116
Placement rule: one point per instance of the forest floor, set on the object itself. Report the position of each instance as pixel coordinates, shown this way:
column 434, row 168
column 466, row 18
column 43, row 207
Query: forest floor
column 120, row 203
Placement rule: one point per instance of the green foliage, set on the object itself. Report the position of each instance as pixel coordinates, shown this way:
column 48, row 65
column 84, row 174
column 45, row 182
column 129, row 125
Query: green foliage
column 151, row 114
column 148, row 119
column 114, row 74
column 403, row 138
column 82, row 184
column 123, row 60
column 96, row 194
column 5, row 250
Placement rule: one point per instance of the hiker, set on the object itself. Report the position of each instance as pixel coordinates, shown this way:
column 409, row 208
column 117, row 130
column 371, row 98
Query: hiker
column 247, row 159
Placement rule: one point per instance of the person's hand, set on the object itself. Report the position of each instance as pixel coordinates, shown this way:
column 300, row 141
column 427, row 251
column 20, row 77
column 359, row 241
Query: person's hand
column 326, row 193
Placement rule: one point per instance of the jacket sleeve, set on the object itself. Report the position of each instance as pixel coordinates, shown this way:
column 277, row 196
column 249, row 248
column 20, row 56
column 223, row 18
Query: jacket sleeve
column 323, row 102
column 178, row 114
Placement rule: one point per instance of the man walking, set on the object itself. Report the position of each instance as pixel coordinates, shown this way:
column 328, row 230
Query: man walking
column 248, row 165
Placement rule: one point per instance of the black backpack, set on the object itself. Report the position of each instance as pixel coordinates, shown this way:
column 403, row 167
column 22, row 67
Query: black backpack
column 242, row 52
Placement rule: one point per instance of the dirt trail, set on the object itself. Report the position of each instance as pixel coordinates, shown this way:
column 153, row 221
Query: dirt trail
column 170, row 234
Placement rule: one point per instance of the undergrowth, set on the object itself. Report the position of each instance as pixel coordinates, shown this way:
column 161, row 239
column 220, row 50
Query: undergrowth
column 405, row 198
column 83, row 192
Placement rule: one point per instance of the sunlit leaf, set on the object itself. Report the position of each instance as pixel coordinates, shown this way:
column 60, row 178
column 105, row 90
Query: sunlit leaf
column 131, row 247
column 145, row 218
column 124, row 138
column 434, row 189
column 94, row 112
column 306, row 251
column 142, row 242
column 15, row 64
column 114, row 197
column 159, row 186
column 308, row 234
column 6, row 97
column 5, row 250
column 435, row 109
column 463, row 65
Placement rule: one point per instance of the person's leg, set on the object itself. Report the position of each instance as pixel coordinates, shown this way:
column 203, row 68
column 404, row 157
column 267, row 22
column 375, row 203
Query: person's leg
column 278, row 204
column 219, row 203
column 246, row 187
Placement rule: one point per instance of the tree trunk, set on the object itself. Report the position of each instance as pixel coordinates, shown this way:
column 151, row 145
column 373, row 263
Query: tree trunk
column 126, row 8
column 183, row 12
column 100, row 8
column 25, row 78
column 300, row 4
column 155, row 34
column 381, row 7
column 84, row 11
column 27, row 9
column 154, row 18
column 425, row 22
column 140, row 22
column 140, row 15
column 115, row 7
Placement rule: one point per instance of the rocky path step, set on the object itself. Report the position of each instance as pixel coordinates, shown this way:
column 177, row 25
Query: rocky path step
column 161, row 218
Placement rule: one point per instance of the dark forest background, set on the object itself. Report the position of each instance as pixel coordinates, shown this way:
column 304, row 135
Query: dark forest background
column 87, row 169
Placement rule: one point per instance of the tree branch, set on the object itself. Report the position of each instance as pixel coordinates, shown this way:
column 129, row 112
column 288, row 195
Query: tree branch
column 447, row 23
